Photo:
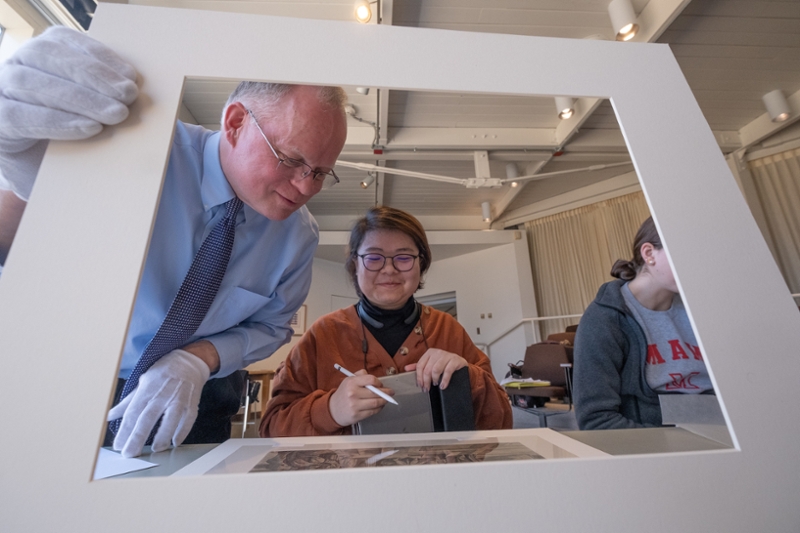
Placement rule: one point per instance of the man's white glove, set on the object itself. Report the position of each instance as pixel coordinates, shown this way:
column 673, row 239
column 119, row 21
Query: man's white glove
column 172, row 387
column 61, row 85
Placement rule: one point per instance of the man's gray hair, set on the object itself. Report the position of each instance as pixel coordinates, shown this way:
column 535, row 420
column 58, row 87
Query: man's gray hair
column 261, row 97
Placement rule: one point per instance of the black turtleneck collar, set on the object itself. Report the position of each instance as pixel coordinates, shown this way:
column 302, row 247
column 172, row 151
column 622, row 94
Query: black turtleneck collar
column 389, row 316
column 394, row 330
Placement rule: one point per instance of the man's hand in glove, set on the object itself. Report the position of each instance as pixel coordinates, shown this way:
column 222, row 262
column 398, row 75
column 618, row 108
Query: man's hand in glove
column 61, row 85
column 172, row 388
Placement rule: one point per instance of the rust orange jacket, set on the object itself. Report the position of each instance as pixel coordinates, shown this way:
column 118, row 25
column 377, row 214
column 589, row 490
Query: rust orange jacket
column 305, row 381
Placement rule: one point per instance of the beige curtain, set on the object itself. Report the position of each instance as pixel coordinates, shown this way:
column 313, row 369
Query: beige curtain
column 572, row 253
column 777, row 181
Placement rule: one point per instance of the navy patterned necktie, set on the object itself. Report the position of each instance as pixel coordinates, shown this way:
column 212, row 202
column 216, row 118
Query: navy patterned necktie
column 193, row 300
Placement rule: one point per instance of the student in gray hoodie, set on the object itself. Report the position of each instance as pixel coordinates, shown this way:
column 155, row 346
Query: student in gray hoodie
column 635, row 342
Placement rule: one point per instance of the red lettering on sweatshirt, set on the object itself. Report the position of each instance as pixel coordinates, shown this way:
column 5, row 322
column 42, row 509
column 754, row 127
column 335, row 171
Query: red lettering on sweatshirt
column 677, row 350
column 653, row 355
column 695, row 351
column 681, row 382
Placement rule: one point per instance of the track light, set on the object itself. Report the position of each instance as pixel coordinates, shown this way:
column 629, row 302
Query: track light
column 777, row 106
column 369, row 180
column 487, row 211
column 512, row 173
column 623, row 19
column 565, row 107
column 363, row 11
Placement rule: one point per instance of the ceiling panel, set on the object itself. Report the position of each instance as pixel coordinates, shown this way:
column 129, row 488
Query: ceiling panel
column 731, row 52
column 447, row 110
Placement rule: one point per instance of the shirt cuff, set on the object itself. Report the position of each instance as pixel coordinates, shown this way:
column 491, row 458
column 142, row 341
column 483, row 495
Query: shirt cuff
column 226, row 344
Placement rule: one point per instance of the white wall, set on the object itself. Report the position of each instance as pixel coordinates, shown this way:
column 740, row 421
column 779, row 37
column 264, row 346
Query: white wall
column 498, row 281
column 330, row 288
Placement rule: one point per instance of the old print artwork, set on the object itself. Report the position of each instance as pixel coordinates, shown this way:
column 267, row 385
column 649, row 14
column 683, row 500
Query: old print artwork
column 323, row 459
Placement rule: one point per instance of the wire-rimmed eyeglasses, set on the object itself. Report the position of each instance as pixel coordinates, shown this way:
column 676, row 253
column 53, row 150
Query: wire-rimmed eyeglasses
column 400, row 262
column 323, row 179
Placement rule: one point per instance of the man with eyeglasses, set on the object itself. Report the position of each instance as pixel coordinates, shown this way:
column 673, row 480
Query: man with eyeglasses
column 275, row 150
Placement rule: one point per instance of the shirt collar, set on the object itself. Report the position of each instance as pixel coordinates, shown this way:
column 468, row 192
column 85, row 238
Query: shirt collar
column 214, row 189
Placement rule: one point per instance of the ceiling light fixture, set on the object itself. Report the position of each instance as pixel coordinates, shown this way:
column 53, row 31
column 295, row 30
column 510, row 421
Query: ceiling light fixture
column 623, row 19
column 512, row 173
column 362, row 90
column 363, row 11
column 369, row 180
column 486, row 210
column 565, row 107
column 777, row 106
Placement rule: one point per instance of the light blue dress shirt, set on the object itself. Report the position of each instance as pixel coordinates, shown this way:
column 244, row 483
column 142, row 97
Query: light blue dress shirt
column 268, row 275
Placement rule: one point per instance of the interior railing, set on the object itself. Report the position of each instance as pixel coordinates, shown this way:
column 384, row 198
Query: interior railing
column 487, row 346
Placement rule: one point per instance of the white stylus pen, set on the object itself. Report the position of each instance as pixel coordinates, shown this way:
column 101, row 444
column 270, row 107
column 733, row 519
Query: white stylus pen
column 377, row 391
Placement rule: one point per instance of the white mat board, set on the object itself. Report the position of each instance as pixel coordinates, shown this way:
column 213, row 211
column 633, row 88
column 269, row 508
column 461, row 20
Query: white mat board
column 67, row 293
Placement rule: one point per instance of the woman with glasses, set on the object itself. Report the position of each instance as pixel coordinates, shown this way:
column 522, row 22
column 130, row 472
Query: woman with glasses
column 385, row 333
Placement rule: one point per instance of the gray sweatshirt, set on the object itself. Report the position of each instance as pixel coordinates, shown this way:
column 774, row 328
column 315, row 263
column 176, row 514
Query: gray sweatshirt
column 610, row 352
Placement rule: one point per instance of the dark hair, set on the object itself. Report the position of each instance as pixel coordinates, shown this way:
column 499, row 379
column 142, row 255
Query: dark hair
column 387, row 218
column 627, row 270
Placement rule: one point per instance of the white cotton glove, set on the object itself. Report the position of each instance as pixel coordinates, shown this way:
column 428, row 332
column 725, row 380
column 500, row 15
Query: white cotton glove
column 172, row 387
column 61, row 85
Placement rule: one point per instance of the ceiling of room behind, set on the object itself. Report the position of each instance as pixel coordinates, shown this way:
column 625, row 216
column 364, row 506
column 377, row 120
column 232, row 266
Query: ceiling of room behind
column 731, row 51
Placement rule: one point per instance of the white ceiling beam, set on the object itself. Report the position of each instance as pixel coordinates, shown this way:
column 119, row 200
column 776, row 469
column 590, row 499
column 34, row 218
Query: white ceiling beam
column 569, row 127
column 441, row 144
column 728, row 141
column 360, row 137
column 597, row 140
column 380, row 184
column 471, row 138
column 597, row 192
column 763, row 127
column 593, row 158
column 656, row 17
column 444, row 155
column 383, row 117
column 371, row 167
column 501, row 206
column 481, row 158
column 386, row 10
column 613, row 141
